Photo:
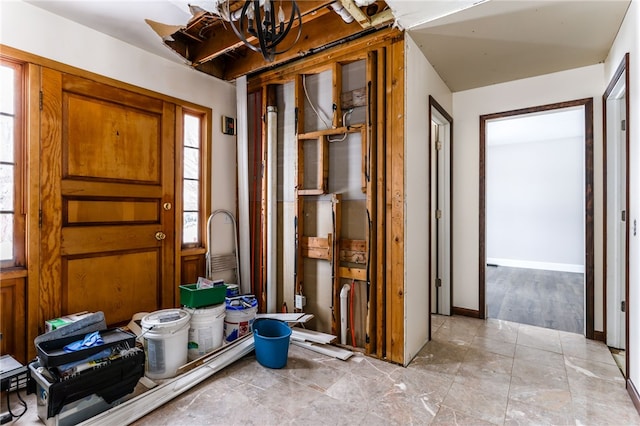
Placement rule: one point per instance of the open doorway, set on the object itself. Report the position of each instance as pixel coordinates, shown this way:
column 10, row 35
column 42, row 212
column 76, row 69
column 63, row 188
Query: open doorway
column 440, row 153
column 536, row 216
column 616, row 206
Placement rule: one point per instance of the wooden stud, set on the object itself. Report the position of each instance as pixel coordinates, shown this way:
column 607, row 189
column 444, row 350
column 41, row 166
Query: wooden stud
column 299, row 179
column 323, row 164
column 375, row 82
column 337, row 91
column 395, row 288
column 382, row 194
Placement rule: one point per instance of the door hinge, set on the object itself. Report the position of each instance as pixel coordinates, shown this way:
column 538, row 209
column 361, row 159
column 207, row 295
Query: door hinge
column 624, row 215
column 438, row 214
column 41, row 96
column 40, row 218
column 623, row 125
column 623, row 306
column 438, row 146
column 438, row 282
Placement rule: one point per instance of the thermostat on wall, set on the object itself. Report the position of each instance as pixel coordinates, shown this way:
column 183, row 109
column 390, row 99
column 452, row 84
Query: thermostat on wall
column 228, row 125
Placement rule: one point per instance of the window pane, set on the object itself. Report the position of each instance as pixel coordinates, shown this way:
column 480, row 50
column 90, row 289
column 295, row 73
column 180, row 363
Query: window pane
column 6, row 236
column 191, row 195
column 191, row 163
column 190, row 228
column 191, row 131
column 6, row 139
column 7, row 80
column 6, row 187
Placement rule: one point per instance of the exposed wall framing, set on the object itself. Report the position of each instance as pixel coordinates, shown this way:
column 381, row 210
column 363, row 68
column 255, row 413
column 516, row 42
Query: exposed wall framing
column 369, row 252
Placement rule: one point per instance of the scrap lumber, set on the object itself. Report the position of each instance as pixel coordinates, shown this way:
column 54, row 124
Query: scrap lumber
column 136, row 408
column 328, row 350
column 304, row 335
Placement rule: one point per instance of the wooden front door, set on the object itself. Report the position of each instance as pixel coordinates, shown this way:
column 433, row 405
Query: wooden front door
column 107, row 200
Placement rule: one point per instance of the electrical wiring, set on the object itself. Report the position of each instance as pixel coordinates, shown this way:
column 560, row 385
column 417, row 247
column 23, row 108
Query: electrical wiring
column 344, row 118
column 306, row 94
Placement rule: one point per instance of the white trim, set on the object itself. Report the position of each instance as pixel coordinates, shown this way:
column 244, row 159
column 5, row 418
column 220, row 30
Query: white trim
column 136, row 408
column 546, row 266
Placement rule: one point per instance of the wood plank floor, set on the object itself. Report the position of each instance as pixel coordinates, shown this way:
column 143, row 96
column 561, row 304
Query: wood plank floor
column 547, row 299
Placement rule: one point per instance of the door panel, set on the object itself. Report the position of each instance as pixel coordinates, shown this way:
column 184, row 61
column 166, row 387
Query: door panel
column 118, row 284
column 108, row 141
column 109, row 239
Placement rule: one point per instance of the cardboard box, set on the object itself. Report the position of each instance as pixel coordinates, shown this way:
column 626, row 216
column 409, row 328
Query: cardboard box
column 54, row 324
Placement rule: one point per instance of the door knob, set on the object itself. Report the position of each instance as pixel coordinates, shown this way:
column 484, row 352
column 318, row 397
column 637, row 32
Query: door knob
column 160, row 236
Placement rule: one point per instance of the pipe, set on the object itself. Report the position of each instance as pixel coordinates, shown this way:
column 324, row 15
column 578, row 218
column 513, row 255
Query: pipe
column 272, row 206
column 340, row 10
column 242, row 147
column 344, row 304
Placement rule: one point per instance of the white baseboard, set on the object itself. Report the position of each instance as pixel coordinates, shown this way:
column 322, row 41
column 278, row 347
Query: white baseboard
column 547, row 266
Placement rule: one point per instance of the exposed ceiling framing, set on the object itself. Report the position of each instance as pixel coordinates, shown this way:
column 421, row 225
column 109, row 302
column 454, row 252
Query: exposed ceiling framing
column 209, row 44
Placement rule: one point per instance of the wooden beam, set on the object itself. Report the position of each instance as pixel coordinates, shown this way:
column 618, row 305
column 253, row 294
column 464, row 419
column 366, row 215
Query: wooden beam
column 347, row 51
column 222, row 39
column 358, row 274
column 357, row 13
column 315, row 34
column 374, row 81
column 353, row 251
column 382, row 18
column 317, row 247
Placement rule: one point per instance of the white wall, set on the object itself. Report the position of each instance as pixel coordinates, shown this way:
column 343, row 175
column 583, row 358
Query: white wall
column 34, row 30
column 421, row 81
column 586, row 82
column 535, row 200
column 627, row 41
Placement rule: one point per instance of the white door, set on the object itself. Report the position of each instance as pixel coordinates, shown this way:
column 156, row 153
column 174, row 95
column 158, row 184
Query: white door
column 616, row 215
column 441, row 213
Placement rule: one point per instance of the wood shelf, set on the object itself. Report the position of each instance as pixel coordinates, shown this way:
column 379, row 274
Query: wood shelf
column 355, row 128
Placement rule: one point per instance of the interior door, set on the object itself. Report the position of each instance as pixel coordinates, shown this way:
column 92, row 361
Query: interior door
column 441, row 210
column 107, row 186
column 616, row 200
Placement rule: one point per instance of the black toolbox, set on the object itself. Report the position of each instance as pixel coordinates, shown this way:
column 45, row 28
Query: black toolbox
column 109, row 382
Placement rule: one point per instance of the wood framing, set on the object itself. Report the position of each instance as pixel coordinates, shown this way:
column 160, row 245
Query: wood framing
column 377, row 261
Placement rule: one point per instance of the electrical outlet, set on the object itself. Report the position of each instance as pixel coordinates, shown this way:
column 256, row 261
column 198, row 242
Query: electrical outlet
column 300, row 301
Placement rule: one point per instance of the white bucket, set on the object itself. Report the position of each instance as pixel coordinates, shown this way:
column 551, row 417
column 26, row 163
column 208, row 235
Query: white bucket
column 165, row 336
column 239, row 318
column 205, row 331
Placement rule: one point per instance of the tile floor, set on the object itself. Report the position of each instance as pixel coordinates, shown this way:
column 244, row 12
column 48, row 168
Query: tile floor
column 473, row 372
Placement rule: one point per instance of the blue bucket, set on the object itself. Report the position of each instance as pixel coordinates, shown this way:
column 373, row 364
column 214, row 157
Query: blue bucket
column 271, row 339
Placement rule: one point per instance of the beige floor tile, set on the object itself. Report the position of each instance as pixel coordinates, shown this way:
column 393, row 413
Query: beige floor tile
column 472, row 373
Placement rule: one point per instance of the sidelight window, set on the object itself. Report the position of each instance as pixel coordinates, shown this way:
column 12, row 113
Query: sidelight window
column 192, row 179
column 12, row 212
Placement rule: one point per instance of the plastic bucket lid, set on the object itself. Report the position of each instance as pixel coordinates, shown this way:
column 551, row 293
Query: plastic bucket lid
column 165, row 321
column 206, row 312
column 271, row 339
column 241, row 303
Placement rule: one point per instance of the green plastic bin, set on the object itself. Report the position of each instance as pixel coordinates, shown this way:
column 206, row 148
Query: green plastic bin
column 192, row 297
